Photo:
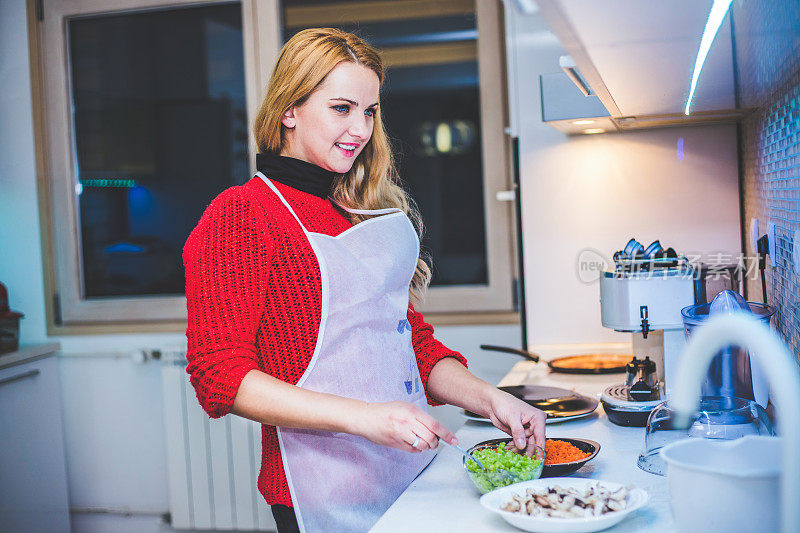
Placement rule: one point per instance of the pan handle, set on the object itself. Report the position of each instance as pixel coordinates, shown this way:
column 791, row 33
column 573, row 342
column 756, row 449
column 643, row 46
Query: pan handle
column 524, row 353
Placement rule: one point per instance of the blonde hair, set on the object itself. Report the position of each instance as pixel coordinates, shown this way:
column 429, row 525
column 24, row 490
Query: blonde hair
column 372, row 182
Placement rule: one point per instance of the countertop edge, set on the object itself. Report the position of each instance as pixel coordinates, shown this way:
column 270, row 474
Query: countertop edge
column 28, row 353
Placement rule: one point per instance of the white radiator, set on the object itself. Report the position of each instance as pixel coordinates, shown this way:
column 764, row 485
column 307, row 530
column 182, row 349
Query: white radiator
column 212, row 464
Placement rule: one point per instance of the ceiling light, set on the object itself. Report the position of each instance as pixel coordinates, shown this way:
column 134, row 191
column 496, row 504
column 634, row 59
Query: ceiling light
column 715, row 17
column 582, row 122
column 594, row 130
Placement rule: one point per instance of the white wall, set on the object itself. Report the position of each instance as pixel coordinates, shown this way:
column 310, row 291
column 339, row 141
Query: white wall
column 597, row 191
column 20, row 252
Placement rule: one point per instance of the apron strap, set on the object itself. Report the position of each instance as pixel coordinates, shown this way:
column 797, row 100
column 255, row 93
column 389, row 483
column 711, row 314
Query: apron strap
column 282, row 199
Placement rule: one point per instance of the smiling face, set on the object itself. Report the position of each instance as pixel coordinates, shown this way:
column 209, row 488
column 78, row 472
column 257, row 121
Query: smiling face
column 335, row 122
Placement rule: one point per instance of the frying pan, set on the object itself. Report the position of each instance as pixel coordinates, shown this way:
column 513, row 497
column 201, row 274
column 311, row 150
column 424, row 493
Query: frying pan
column 556, row 365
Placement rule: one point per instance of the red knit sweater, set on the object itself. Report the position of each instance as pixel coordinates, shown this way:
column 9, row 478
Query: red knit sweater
column 253, row 295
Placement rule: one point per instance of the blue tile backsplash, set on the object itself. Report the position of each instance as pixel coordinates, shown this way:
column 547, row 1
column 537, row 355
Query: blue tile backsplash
column 767, row 63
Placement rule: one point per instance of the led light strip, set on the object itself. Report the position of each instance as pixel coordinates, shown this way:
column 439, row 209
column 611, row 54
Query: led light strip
column 715, row 18
column 109, row 182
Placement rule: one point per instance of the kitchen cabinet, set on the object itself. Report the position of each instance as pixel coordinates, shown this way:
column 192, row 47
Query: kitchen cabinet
column 33, row 477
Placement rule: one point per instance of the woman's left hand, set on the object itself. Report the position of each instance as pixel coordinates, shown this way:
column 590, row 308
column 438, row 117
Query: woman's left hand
column 523, row 422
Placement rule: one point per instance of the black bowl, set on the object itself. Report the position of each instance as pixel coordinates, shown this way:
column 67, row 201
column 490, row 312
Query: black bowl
column 563, row 469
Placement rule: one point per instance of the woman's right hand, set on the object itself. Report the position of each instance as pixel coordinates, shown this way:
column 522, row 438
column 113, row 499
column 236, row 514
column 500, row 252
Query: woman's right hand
column 398, row 424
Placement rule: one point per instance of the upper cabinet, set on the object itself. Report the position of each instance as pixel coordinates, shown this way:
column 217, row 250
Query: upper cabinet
column 639, row 58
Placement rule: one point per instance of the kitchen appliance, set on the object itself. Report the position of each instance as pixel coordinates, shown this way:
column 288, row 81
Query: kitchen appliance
column 630, row 403
column 780, row 364
column 727, row 407
column 9, row 324
column 732, row 372
column 644, row 296
column 718, row 418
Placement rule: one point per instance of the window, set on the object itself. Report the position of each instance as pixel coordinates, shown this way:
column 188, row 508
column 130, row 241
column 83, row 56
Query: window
column 146, row 113
column 440, row 107
column 160, row 118
column 147, row 108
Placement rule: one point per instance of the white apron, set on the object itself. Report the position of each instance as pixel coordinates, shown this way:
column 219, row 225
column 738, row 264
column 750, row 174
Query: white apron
column 341, row 482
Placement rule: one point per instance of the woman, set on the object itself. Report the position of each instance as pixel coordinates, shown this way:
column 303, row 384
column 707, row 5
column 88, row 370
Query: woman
column 298, row 287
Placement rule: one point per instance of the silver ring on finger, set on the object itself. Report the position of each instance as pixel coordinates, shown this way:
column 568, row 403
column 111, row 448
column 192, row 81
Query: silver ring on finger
column 416, row 441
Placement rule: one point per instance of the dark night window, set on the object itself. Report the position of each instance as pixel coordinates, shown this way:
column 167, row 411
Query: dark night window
column 160, row 129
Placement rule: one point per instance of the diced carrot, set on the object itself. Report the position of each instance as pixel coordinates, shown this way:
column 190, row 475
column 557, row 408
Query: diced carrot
column 559, row 451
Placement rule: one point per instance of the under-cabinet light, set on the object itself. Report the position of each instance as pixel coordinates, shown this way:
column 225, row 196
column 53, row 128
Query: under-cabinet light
column 715, row 17
column 594, row 130
column 582, row 122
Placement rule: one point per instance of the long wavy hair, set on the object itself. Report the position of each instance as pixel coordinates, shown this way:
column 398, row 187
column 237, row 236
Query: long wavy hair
column 372, row 182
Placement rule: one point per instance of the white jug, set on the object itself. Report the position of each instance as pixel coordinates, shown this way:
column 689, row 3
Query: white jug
column 731, row 485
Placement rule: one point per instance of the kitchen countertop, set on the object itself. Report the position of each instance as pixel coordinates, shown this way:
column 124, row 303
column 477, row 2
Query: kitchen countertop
column 28, row 353
column 442, row 498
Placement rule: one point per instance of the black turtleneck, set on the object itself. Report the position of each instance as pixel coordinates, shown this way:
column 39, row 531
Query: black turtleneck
column 296, row 173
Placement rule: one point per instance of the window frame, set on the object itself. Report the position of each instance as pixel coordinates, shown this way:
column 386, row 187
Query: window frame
column 69, row 307
column 69, row 312
column 497, row 296
column 494, row 301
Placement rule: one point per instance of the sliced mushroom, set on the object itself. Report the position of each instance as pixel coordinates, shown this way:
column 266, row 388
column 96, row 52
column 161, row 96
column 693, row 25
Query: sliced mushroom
column 556, row 501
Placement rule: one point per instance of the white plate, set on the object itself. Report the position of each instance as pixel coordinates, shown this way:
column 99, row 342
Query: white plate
column 549, row 420
column 493, row 500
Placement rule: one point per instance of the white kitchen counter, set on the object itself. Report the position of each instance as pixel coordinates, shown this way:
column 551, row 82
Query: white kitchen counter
column 443, row 499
